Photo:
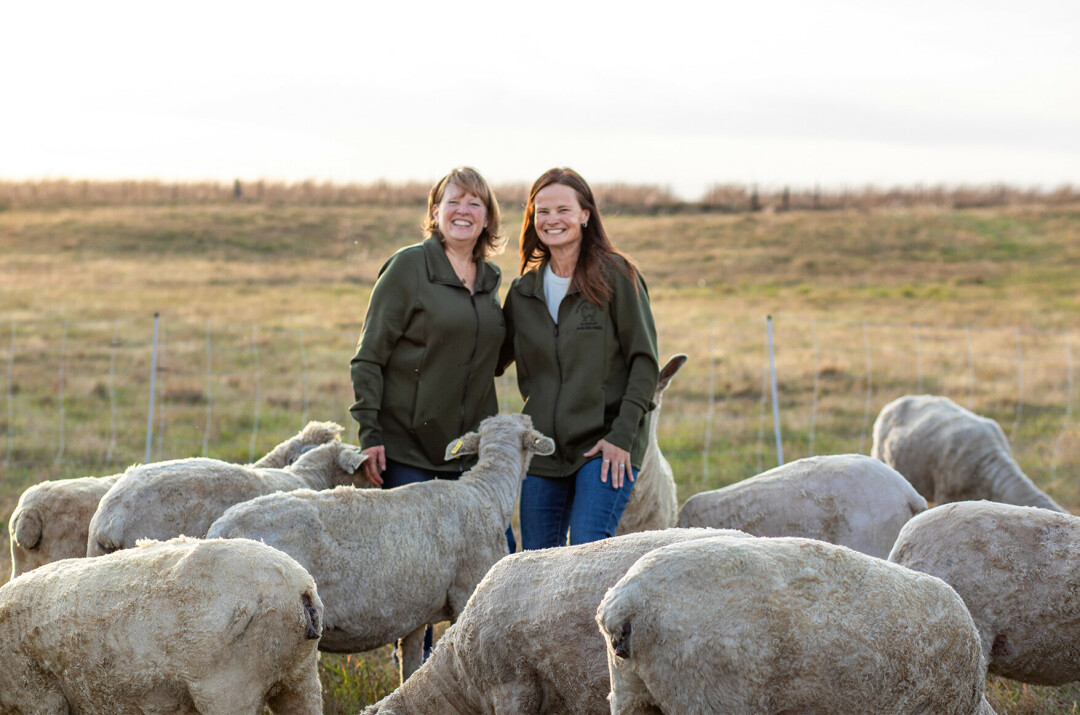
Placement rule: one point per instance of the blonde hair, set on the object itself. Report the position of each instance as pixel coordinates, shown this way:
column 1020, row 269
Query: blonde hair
column 490, row 242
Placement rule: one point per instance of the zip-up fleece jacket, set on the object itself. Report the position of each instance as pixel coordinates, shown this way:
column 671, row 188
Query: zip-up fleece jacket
column 591, row 376
column 424, row 371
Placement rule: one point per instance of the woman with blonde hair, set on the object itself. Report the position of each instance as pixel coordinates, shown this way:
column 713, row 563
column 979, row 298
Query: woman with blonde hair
column 423, row 372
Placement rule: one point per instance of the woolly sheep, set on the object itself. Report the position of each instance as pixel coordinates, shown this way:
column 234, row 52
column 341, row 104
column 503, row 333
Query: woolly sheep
column 52, row 519
column 389, row 562
column 951, row 454
column 653, row 501
column 846, row 499
column 787, row 625
column 184, row 496
column 183, row 626
column 526, row 641
column 1018, row 570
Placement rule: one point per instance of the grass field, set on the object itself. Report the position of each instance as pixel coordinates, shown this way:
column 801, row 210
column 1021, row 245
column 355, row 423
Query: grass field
column 979, row 304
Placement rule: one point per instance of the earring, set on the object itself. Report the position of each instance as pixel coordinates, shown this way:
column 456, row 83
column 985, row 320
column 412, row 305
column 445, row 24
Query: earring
column 585, row 225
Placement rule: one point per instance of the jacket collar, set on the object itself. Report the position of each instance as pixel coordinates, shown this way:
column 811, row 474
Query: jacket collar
column 532, row 282
column 440, row 270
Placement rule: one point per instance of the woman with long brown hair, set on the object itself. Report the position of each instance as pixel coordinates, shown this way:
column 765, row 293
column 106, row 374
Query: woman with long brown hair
column 580, row 328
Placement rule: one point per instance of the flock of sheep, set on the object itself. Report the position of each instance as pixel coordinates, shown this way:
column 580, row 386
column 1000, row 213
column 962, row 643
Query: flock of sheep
column 213, row 586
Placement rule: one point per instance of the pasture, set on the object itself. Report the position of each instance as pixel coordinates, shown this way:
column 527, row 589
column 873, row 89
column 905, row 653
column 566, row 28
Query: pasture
column 260, row 305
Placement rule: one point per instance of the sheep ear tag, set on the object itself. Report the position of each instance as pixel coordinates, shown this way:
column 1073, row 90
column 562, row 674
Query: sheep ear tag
column 457, row 447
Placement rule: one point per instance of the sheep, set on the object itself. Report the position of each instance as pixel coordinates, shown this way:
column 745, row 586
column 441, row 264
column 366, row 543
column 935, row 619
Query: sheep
column 786, row 625
column 526, row 641
column 52, row 519
column 182, row 626
column 1018, row 570
column 951, row 454
column 389, row 562
column 653, row 501
column 846, row 499
column 184, row 496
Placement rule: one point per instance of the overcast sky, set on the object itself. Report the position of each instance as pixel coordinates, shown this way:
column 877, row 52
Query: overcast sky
column 684, row 94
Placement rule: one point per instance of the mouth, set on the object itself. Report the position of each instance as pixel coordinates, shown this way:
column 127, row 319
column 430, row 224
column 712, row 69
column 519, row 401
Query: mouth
column 461, row 222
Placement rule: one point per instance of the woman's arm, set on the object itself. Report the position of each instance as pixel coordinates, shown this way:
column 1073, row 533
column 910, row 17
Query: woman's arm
column 389, row 311
column 636, row 333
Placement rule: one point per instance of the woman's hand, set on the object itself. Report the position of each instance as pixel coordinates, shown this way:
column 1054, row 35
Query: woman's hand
column 615, row 458
column 374, row 465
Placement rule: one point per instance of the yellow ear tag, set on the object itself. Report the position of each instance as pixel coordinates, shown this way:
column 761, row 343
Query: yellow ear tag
column 457, row 447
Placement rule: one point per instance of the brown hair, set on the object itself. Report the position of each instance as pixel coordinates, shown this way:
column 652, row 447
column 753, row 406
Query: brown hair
column 597, row 250
column 469, row 180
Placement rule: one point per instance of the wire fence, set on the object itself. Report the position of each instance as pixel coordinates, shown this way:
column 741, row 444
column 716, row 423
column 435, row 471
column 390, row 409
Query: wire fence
column 91, row 397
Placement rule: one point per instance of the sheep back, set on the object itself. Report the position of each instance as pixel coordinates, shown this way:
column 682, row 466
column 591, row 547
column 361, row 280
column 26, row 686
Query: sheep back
column 849, row 499
column 386, row 561
column 526, row 641
column 1018, row 570
column 786, row 625
column 185, row 496
column 52, row 519
column 949, row 453
column 182, row 626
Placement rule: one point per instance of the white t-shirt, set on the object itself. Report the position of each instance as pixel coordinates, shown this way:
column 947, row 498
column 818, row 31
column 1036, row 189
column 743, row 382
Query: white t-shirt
column 555, row 289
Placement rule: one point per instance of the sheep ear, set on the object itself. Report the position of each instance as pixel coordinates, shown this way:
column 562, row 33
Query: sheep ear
column 533, row 441
column 27, row 529
column 669, row 369
column 465, row 444
column 350, row 459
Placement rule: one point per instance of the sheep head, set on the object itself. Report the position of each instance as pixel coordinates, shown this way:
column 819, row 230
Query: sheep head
column 532, row 441
column 313, row 435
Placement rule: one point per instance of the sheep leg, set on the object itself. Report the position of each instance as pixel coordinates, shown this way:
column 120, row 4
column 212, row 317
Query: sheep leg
column 410, row 652
column 300, row 693
column 230, row 692
column 629, row 695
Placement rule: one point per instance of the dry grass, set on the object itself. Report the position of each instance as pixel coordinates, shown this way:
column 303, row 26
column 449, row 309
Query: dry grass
column 979, row 304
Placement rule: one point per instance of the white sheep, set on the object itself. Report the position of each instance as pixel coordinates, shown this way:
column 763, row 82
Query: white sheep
column 653, row 501
column 951, row 454
column 846, row 499
column 389, row 562
column 787, row 625
column 183, row 626
column 52, row 519
column 1018, row 570
column 526, row 641
column 184, row 496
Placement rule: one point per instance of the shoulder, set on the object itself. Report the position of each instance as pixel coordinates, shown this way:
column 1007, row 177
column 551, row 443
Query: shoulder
column 621, row 274
column 527, row 282
column 414, row 252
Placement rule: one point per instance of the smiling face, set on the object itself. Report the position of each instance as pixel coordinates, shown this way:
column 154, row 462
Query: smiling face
column 461, row 216
column 558, row 216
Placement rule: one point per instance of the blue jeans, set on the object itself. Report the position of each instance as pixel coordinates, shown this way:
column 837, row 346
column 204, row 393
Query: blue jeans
column 581, row 503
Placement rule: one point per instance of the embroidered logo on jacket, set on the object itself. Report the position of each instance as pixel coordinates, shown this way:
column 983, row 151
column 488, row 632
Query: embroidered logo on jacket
column 587, row 317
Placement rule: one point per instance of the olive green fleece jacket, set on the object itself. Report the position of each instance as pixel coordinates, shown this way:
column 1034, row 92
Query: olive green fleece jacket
column 424, row 370
column 592, row 376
